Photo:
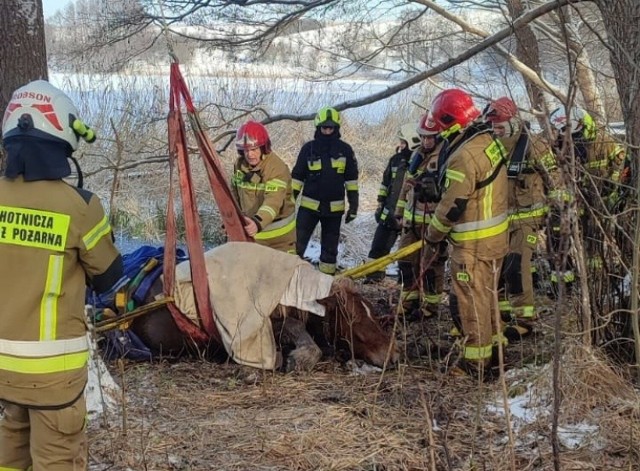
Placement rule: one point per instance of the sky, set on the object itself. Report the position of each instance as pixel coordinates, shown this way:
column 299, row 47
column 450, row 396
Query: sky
column 51, row 6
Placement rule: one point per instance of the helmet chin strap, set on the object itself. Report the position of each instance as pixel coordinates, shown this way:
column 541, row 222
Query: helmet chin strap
column 511, row 127
column 78, row 171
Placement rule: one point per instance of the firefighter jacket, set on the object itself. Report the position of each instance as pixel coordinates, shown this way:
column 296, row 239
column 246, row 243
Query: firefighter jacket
column 325, row 168
column 392, row 182
column 264, row 194
column 420, row 193
column 531, row 171
column 473, row 211
column 53, row 238
column 603, row 158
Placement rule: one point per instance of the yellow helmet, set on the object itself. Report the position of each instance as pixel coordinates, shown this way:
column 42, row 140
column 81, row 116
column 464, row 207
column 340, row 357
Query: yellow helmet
column 328, row 116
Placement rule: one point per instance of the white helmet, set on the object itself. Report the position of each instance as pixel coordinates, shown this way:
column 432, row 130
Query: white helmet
column 577, row 121
column 41, row 110
column 408, row 133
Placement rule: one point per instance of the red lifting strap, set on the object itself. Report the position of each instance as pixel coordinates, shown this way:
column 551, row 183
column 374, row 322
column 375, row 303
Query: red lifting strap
column 229, row 210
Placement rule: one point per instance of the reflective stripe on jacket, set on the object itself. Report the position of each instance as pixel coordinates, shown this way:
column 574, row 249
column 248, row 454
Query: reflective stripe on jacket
column 53, row 237
column 527, row 200
column 474, row 219
column 605, row 157
column 412, row 210
column 326, row 169
column 264, row 193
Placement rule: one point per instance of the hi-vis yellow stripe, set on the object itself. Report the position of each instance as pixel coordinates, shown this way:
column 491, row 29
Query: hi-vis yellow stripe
column 487, row 202
column 277, row 229
column 472, row 352
column 49, row 302
column 439, row 226
column 480, row 233
column 92, row 237
column 455, row 175
column 57, row 364
column 34, row 228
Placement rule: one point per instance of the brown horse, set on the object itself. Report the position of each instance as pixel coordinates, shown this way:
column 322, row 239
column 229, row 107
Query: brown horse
column 349, row 330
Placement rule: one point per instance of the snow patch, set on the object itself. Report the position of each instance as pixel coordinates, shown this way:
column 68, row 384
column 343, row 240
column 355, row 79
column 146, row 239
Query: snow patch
column 102, row 391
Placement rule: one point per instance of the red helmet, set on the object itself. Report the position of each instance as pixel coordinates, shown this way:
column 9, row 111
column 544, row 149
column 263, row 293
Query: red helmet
column 501, row 110
column 453, row 107
column 427, row 125
column 253, row 134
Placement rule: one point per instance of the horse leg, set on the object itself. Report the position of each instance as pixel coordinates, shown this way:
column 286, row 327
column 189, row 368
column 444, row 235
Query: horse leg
column 316, row 328
column 306, row 353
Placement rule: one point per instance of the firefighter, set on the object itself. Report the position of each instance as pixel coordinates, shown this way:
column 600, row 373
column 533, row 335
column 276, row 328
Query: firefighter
column 472, row 215
column 326, row 168
column 261, row 185
column 422, row 286
column 604, row 170
column 392, row 180
column 54, row 238
column 531, row 170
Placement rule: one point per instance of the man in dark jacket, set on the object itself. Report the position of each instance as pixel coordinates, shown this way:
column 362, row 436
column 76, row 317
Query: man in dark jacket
column 326, row 168
column 392, row 181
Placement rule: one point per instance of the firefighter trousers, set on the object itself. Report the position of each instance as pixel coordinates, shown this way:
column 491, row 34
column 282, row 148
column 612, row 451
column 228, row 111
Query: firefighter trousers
column 383, row 240
column 517, row 296
column 473, row 304
column 306, row 222
column 46, row 440
column 422, row 285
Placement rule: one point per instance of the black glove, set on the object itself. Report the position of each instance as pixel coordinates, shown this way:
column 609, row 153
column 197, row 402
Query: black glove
column 350, row 216
column 378, row 213
column 393, row 222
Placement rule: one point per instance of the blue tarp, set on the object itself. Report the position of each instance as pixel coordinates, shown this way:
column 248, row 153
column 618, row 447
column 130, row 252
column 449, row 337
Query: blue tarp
column 124, row 343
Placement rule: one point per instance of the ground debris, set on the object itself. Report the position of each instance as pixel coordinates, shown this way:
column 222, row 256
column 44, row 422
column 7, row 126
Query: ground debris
column 196, row 415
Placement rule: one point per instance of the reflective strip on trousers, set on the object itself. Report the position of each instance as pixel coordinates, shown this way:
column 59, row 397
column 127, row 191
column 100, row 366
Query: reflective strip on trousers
column 504, row 306
column 327, row 268
column 474, row 352
column 432, row 298
column 524, row 312
column 411, row 295
column 567, row 277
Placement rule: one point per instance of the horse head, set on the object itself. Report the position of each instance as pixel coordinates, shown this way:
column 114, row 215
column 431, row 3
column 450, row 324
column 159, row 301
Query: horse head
column 351, row 322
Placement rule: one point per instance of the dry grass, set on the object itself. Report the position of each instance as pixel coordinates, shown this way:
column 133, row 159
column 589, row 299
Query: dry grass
column 197, row 415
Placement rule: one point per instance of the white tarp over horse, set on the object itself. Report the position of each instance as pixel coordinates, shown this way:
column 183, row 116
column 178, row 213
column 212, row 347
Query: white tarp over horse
column 247, row 282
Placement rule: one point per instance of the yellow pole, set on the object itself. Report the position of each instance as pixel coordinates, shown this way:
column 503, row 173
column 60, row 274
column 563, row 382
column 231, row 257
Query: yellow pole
column 379, row 263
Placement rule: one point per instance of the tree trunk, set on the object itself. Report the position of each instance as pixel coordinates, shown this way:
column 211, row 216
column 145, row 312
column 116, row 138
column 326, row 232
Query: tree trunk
column 528, row 52
column 23, row 53
column 622, row 23
column 585, row 77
